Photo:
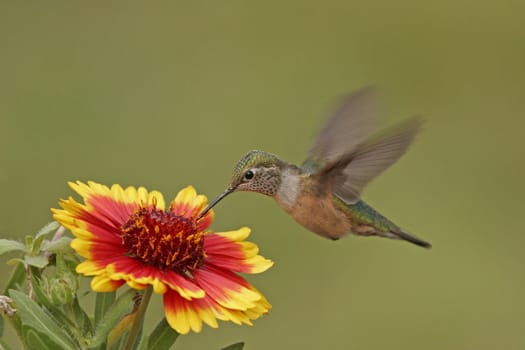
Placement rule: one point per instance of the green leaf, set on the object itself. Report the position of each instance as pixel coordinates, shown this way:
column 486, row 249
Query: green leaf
column 236, row 346
column 60, row 246
column 67, row 272
column 4, row 345
column 143, row 345
column 44, row 300
column 121, row 307
column 8, row 245
column 102, row 304
column 82, row 319
column 48, row 228
column 18, row 277
column 29, row 241
column 162, row 337
column 118, row 345
column 44, row 231
column 56, row 312
column 16, row 261
column 38, row 261
column 35, row 340
column 33, row 316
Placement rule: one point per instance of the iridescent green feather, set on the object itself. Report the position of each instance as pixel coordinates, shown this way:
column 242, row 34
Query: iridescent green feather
column 362, row 213
column 312, row 165
column 254, row 159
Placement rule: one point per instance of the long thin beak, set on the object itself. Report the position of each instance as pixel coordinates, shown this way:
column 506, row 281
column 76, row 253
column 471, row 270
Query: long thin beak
column 217, row 200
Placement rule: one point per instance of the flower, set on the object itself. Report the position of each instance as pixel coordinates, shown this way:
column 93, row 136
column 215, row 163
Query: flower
column 128, row 236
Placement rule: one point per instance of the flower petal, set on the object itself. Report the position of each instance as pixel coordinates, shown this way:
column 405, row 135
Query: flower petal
column 226, row 288
column 236, row 235
column 188, row 204
column 104, row 283
column 131, row 270
column 184, row 315
column 205, row 222
column 90, row 268
column 228, row 251
column 113, row 206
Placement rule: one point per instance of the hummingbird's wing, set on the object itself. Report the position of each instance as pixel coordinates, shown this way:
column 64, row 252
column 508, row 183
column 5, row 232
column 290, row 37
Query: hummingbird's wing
column 352, row 172
column 349, row 126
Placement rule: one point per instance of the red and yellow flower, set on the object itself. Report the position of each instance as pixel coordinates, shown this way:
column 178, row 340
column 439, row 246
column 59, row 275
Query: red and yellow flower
column 128, row 236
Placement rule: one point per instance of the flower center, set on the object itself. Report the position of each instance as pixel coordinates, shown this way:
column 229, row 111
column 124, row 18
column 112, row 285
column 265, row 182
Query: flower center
column 164, row 240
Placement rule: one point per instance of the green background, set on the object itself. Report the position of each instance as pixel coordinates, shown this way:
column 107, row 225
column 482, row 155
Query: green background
column 165, row 94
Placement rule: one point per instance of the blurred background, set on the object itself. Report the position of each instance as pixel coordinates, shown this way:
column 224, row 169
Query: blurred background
column 172, row 93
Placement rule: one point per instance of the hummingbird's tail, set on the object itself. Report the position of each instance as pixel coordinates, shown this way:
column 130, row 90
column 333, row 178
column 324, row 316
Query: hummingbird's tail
column 409, row 238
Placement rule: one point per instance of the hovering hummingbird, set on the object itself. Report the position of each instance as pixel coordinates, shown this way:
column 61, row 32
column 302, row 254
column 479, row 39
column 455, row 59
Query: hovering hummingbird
column 323, row 193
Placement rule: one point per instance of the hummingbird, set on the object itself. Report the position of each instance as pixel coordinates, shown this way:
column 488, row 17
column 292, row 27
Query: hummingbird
column 323, row 194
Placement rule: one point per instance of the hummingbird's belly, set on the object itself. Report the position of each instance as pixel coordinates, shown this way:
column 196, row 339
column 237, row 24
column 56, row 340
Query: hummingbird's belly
column 320, row 216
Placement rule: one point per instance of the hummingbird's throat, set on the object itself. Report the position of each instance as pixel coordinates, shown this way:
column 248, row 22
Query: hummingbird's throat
column 164, row 240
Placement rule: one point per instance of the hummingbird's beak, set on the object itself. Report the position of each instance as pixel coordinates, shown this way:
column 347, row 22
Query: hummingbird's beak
column 226, row 192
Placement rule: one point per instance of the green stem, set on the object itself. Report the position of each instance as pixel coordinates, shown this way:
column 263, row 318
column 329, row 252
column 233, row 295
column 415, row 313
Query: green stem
column 139, row 319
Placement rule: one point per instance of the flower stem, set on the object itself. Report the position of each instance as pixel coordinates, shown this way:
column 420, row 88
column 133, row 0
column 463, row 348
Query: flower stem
column 139, row 319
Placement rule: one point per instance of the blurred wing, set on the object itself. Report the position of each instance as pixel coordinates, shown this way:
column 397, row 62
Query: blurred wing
column 371, row 158
column 351, row 124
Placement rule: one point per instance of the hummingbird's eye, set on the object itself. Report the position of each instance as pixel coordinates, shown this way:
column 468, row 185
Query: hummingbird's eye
column 248, row 175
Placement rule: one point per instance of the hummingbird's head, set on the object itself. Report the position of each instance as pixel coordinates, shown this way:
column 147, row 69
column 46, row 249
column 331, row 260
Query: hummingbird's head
column 257, row 171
